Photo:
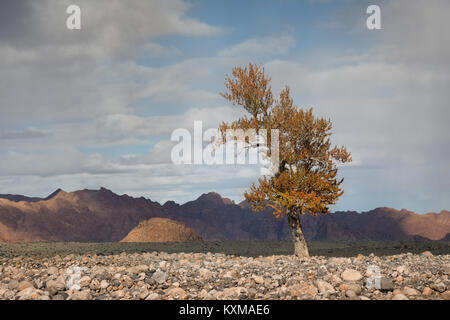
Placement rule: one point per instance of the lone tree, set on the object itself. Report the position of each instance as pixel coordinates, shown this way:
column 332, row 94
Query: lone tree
column 306, row 180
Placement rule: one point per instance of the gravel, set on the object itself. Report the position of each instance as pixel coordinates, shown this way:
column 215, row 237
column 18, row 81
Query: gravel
column 162, row 275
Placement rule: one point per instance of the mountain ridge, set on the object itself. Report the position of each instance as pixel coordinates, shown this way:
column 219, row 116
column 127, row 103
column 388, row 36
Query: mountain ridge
column 101, row 215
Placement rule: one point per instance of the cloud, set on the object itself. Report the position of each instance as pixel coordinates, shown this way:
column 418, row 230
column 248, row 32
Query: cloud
column 51, row 74
column 388, row 100
column 159, row 125
column 261, row 47
column 30, row 133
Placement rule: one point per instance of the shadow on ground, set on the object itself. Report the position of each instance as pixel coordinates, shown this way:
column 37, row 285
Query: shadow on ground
column 244, row 248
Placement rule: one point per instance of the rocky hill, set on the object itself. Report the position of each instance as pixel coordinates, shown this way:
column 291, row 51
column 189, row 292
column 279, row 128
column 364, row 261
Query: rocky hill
column 161, row 230
column 101, row 216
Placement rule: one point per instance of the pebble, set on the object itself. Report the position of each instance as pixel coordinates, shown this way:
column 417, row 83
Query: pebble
column 351, row 275
column 159, row 275
column 400, row 296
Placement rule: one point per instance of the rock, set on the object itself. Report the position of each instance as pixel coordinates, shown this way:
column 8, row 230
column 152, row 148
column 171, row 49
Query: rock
column 446, row 295
column 402, row 269
column 60, row 296
column 335, row 279
column 104, row 284
column 427, row 254
column 350, row 293
column 205, row 273
column 13, row 284
column 302, row 289
column 410, row 291
column 427, row 291
column 8, row 294
column 386, row 284
column 356, row 288
column 94, row 285
column 400, row 297
column 81, row 295
column 440, row 287
column 138, row 269
column 24, row 284
column 153, row 296
column 26, row 294
column 177, row 293
column 324, row 287
column 160, row 277
column 119, row 294
column 52, row 271
column 85, row 281
column 232, row 274
column 54, row 286
column 258, row 279
column 351, row 275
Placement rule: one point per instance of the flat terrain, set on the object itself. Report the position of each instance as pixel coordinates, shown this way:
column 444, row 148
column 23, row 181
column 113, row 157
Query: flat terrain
column 160, row 275
column 238, row 248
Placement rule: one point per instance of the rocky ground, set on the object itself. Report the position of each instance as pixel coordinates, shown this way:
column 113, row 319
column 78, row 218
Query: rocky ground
column 160, row 275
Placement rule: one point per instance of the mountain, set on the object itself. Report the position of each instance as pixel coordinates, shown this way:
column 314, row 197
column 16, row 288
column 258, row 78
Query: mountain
column 18, row 197
column 101, row 215
column 85, row 216
column 161, row 230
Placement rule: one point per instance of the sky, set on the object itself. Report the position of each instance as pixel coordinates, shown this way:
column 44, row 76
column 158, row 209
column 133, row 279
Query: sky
column 96, row 107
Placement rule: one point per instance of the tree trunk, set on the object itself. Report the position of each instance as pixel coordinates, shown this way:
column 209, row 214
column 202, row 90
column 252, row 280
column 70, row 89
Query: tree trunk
column 300, row 247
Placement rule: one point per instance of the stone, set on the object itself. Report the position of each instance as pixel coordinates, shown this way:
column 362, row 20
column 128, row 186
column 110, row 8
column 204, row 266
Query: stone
column 258, row 279
column 402, row 269
column 26, row 294
column 446, row 295
column 351, row 275
column 233, row 292
column 81, row 295
column 427, row 254
column 153, row 296
column 24, row 284
column 205, row 273
column 440, row 287
column 302, row 289
column 160, row 277
column 427, row 291
column 177, row 293
column 52, row 271
column 104, row 284
column 119, row 294
column 144, row 294
column 410, row 291
column 400, row 297
column 335, row 279
column 138, row 269
column 324, row 287
column 386, row 284
column 54, row 286
column 356, row 288
column 350, row 293
column 85, row 281
column 59, row 296
column 13, row 284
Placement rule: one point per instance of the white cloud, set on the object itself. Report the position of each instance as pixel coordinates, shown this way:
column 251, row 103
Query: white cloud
column 261, row 47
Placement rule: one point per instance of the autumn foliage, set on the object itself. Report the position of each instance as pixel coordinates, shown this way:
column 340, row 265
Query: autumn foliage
column 306, row 181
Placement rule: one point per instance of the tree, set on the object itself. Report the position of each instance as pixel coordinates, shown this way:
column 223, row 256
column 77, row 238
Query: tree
column 306, row 180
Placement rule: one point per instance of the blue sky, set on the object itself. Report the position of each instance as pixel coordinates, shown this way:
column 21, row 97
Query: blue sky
column 96, row 107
